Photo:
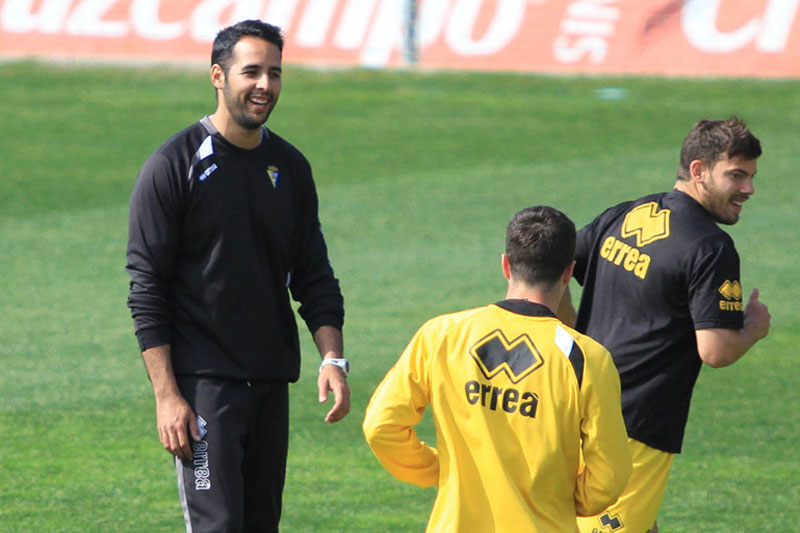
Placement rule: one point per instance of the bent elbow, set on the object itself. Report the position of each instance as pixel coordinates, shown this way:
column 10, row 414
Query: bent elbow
column 371, row 428
column 722, row 347
column 595, row 495
column 716, row 359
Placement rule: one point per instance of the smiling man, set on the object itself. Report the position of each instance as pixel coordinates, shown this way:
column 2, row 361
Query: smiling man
column 223, row 226
column 661, row 292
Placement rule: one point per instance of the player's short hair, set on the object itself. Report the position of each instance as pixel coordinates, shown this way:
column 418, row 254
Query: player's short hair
column 227, row 38
column 710, row 140
column 540, row 245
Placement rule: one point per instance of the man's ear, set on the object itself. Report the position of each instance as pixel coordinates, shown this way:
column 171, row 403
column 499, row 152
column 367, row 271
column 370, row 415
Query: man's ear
column 217, row 76
column 696, row 169
column 506, row 266
column 568, row 273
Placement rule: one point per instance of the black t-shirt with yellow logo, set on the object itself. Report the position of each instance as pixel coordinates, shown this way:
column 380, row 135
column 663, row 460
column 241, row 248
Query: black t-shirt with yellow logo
column 653, row 271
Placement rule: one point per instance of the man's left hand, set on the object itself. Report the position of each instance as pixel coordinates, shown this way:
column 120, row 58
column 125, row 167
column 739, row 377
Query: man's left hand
column 332, row 379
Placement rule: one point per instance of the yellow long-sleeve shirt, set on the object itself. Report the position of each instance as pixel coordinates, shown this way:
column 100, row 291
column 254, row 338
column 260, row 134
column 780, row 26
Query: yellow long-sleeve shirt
column 529, row 427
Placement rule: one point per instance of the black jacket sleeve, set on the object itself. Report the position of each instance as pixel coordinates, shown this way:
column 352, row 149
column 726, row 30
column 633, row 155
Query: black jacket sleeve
column 312, row 281
column 153, row 234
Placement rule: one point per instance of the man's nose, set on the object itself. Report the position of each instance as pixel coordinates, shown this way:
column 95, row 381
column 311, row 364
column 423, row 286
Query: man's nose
column 748, row 187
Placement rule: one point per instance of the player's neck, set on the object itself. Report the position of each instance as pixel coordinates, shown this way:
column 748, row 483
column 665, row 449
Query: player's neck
column 549, row 298
column 233, row 132
column 688, row 187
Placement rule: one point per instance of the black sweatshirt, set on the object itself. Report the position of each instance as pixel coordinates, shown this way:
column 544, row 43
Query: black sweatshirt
column 217, row 235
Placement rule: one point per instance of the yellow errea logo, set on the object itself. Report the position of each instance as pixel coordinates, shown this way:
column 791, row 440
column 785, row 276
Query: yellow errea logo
column 647, row 223
column 731, row 290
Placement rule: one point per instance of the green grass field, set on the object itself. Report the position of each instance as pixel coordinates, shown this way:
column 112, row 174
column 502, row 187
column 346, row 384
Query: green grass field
column 418, row 174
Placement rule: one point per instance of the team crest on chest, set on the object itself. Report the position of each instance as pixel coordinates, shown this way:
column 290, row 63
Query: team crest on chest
column 274, row 175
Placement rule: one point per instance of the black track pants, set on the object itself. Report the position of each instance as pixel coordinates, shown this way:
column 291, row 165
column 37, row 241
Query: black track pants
column 234, row 482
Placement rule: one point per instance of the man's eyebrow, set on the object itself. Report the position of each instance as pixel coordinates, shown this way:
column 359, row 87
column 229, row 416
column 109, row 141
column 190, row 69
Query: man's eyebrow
column 740, row 172
column 259, row 66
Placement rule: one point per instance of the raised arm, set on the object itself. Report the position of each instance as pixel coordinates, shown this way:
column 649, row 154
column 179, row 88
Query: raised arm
column 722, row 347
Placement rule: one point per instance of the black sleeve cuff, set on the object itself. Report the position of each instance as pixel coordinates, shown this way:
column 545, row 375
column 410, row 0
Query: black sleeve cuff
column 327, row 319
column 155, row 336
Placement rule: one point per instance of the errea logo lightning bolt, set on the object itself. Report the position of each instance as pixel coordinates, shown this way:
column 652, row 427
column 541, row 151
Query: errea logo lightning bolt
column 647, row 223
column 732, row 292
column 612, row 523
column 495, row 354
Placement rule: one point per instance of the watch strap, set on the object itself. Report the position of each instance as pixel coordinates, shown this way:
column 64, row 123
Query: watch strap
column 341, row 362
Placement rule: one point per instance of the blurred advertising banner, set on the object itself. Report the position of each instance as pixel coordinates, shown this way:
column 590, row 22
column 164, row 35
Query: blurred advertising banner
column 674, row 37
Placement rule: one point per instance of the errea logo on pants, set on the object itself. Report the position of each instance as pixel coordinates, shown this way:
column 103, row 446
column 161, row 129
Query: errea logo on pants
column 202, row 472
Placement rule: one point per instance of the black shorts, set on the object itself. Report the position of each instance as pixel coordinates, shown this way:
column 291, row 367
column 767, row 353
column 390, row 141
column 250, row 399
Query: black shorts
column 234, row 482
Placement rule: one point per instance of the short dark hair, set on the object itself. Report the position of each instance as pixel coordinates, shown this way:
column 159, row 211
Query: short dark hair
column 709, row 140
column 227, row 38
column 540, row 245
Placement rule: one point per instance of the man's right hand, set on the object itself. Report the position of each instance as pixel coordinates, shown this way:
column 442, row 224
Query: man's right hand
column 174, row 416
column 756, row 316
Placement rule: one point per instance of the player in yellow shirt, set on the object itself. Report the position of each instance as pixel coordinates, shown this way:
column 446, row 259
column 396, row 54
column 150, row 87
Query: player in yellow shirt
column 529, row 427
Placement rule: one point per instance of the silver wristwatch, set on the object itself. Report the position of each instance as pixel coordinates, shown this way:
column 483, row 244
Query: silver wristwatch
column 341, row 362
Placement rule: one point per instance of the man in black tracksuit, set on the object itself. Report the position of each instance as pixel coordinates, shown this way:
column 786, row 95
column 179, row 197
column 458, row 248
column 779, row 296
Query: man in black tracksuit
column 223, row 219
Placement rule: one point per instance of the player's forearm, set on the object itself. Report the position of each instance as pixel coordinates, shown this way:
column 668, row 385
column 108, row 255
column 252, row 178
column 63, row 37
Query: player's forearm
column 158, row 362
column 600, row 484
column 388, row 426
column 329, row 342
column 723, row 347
column 607, row 458
column 604, row 439
column 402, row 454
column 566, row 311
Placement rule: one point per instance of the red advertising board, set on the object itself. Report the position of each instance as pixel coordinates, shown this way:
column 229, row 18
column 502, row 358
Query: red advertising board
column 676, row 37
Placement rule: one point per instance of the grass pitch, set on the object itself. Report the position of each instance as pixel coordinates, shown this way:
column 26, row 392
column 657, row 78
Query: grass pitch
column 418, row 174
